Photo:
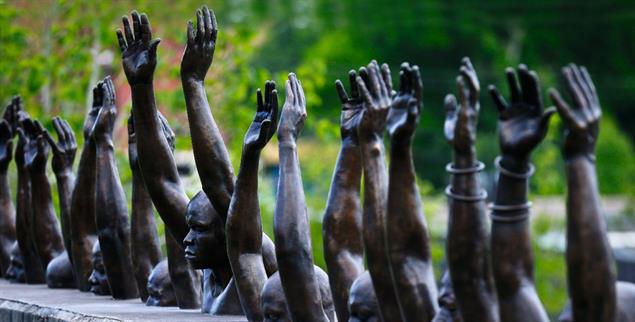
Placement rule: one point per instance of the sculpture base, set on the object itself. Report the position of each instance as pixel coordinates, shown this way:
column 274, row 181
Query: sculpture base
column 21, row 302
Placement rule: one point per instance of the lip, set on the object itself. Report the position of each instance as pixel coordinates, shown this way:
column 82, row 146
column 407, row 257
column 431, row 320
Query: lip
column 189, row 253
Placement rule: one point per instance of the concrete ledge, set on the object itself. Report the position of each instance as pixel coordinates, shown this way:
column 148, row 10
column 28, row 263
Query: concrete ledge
column 21, row 302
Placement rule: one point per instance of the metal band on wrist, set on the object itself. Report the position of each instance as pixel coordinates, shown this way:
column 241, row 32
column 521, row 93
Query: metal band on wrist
column 511, row 174
column 518, row 217
column 481, row 196
column 477, row 168
column 523, row 206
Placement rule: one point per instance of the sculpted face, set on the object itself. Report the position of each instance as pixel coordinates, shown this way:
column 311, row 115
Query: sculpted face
column 59, row 272
column 98, row 280
column 205, row 242
column 160, row 290
column 274, row 304
column 15, row 272
column 448, row 311
column 362, row 302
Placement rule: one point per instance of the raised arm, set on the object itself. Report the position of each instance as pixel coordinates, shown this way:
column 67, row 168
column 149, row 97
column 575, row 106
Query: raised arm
column 522, row 126
column 46, row 230
column 146, row 252
column 291, row 222
column 34, row 272
column 139, row 58
column 63, row 158
column 111, row 217
column 211, row 156
column 7, row 212
column 468, row 251
column 244, row 225
column 590, row 264
column 376, row 87
column 83, row 230
column 406, row 227
column 342, row 223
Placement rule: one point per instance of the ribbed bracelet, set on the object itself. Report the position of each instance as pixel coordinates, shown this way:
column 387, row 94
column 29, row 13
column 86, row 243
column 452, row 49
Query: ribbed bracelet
column 477, row 168
column 481, row 196
column 523, row 206
column 506, row 208
column 511, row 174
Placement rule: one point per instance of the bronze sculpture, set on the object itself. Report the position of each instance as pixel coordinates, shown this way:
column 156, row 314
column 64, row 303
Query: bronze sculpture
column 98, row 280
column 468, row 241
column 298, row 277
column 522, row 125
column 448, row 311
column 111, row 211
column 7, row 211
column 375, row 87
column 34, row 271
column 342, row 223
column 244, row 226
column 362, row 301
column 160, row 290
column 591, row 277
column 83, row 199
column 146, row 252
column 160, row 178
column 406, row 228
column 15, row 271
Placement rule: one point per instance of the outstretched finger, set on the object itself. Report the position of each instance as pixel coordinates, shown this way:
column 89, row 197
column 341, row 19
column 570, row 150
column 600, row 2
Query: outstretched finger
column 52, row 143
column 363, row 90
column 122, row 43
column 61, row 135
column 564, row 110
column 528, row 86
column 136, row 24
column 546, row 116
column 208, row 23
column 200, row 26
column 290, row 96
column 146, row 30
column 472, row 84
column 573, row 88
column 190, row 34
column 375, row 85
column 353, row 83
column 498, row 99
column 259, row 104
column 302, row 99
column 294, row 87
column 214, row 26
column 341, row 92
column 417, row 83
column 462, row 91
column 514, row 90
column 69, row 133
column 127, row 30
column 274, row 108
column 386, row 77
column 589, row 82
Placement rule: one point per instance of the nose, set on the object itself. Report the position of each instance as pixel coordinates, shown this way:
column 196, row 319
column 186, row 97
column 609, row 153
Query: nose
column 189, row 239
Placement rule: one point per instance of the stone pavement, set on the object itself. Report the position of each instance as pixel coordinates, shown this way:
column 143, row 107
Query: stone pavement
column 21, row 302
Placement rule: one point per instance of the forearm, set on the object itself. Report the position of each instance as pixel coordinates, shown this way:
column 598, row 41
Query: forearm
column 293, row 242
column 82, row 223
column 157, row 162
column 374, row 232
column 406, row 227
column 7, row 212
column 32, row 267
column 65, row 186
column 590, row 264
column 111, row 219
column 407, row 238
column 342, row 227
column 468, row 245
column 512, row 255
column 146, row 252
column 210, row 153
column 46, row 230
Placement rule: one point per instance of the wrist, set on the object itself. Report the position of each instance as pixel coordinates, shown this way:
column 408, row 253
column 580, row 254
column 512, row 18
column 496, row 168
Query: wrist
column 400, row 142
column 63, row 174
column 103, row 141
column 191, row 79
column 519, row 164
column 464, row 159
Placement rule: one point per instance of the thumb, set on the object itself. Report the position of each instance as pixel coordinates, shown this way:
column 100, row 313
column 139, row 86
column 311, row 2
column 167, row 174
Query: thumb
column 153, row 47
column 546, row 116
